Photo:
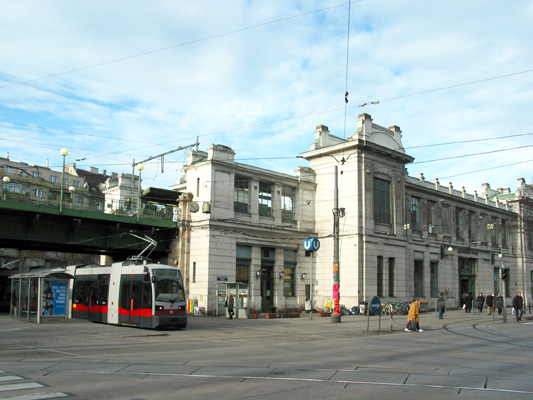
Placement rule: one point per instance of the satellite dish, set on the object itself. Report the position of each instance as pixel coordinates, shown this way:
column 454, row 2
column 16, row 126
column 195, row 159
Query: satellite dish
column 194, row 207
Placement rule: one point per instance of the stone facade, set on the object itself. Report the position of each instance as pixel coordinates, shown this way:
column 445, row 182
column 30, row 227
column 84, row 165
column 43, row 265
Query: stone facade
column 400, row 236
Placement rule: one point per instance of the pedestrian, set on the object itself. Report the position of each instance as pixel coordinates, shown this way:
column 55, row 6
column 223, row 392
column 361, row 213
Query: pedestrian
column 489, row 300
column 480, row 300
column 413, row 317
column 499, row 302
column 518, row 304
column 229, row 304
column 468, row 302
column 441, row 304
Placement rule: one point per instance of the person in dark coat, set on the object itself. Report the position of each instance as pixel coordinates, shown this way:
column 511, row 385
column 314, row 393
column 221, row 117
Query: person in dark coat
column 489, row 300
column 518, row 304
column 499, row 300
column 468, row 302
column 480, row 300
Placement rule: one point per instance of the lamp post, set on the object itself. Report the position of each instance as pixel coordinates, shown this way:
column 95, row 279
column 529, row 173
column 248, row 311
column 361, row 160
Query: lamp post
column 140, row 167
column 64, row 153
column 6, row 180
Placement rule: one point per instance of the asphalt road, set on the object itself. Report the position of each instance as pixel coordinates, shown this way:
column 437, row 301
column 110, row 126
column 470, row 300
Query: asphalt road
column 464, row 356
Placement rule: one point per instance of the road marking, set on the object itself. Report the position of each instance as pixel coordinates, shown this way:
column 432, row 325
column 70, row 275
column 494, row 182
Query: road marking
column 10, row 378
column 20, row 386
column 317, row 380
column 40, row 396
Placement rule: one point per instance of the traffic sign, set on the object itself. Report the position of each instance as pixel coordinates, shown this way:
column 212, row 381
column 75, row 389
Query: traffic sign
column 375, row 305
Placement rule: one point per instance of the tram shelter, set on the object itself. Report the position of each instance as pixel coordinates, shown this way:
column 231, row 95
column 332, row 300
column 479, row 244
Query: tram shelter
column 40, row 295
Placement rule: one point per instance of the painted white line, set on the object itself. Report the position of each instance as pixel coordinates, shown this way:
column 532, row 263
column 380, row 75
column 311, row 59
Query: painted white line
column 40, row 396
column 20, row 386
column 316, row 380
column 10, row 378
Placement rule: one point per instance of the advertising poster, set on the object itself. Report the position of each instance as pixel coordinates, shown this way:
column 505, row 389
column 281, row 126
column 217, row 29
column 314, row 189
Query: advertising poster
column 54, row 298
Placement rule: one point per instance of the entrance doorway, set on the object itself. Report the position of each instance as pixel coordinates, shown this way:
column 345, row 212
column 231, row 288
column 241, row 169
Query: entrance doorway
column 467, row 276
column 267, row 289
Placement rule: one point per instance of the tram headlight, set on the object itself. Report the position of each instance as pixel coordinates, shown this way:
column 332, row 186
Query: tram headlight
column 159, row 308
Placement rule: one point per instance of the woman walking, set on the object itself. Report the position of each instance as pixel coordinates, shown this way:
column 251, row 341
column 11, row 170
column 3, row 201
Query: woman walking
column 413, row 317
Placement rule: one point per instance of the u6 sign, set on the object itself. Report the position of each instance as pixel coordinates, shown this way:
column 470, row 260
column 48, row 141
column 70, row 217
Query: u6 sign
column 311, row 244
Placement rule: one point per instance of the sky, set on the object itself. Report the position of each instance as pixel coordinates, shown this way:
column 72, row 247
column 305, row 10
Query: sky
column 119, row 81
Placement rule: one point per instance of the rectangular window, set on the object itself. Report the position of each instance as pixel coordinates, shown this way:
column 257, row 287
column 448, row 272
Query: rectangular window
column 194, row 272
column 241, row 195
column 243, row 262
column 459, row 227
column 76, row 183
column 419, row 278
column 446, row 225
column 472, row 225
column 382, row 201
column 53, row 178
column 504, row 233
column 379, row 277
column 38, row 193
column 434, row 279
column 392, row 272
column 289, row 269
column 35, row 175
column 9, row 170
column 432, row 217
column 197, row 187
column 287, row 203
column 265, row 199
column 492, row 227
column 415, row 214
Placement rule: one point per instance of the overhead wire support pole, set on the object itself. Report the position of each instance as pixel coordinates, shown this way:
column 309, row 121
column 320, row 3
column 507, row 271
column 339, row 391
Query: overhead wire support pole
column 336, row 316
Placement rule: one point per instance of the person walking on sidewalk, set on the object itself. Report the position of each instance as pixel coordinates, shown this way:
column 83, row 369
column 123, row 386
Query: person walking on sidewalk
column 480, row 300
column 229, row 304
column 413, row 317
column 499, row 302
column 441, row 305
column 518, row 304
column 489, row 300
column 468, row 302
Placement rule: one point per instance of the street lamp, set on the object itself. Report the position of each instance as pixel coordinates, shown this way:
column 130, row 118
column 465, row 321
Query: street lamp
column 64, row 153
column 140, row 167
column 71, row 189
column 6, row 180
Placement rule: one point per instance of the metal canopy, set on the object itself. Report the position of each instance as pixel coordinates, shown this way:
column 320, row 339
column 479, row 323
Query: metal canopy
column 161, row 196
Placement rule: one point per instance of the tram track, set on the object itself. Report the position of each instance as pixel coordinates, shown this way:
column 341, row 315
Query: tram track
column 476, row 326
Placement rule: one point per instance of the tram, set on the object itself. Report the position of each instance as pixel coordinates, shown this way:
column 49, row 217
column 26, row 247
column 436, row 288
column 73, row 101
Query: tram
column 133, row 293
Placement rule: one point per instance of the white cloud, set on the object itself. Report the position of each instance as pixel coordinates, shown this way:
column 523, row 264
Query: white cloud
column 222, row 82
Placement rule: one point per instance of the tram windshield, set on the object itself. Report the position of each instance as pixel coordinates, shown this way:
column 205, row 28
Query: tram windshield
column 168, row 286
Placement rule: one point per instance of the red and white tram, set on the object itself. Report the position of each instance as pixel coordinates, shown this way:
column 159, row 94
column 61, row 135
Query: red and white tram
column 134, row 293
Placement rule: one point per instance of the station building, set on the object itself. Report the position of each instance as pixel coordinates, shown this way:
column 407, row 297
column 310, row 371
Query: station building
column 400, row 236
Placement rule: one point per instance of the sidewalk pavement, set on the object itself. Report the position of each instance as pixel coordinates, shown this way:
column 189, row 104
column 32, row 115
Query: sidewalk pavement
column 350, row 323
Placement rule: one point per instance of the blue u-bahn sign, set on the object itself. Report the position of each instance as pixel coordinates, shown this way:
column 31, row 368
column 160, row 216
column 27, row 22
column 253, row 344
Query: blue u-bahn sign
column 311, row 244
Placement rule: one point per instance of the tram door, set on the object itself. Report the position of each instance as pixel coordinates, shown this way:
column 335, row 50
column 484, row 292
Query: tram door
column 130, row 302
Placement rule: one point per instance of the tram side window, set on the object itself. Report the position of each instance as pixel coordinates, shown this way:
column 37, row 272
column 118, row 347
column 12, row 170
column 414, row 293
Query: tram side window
column 82, row 292
column 146, row 301
column 103, row 293
column 125, row 295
